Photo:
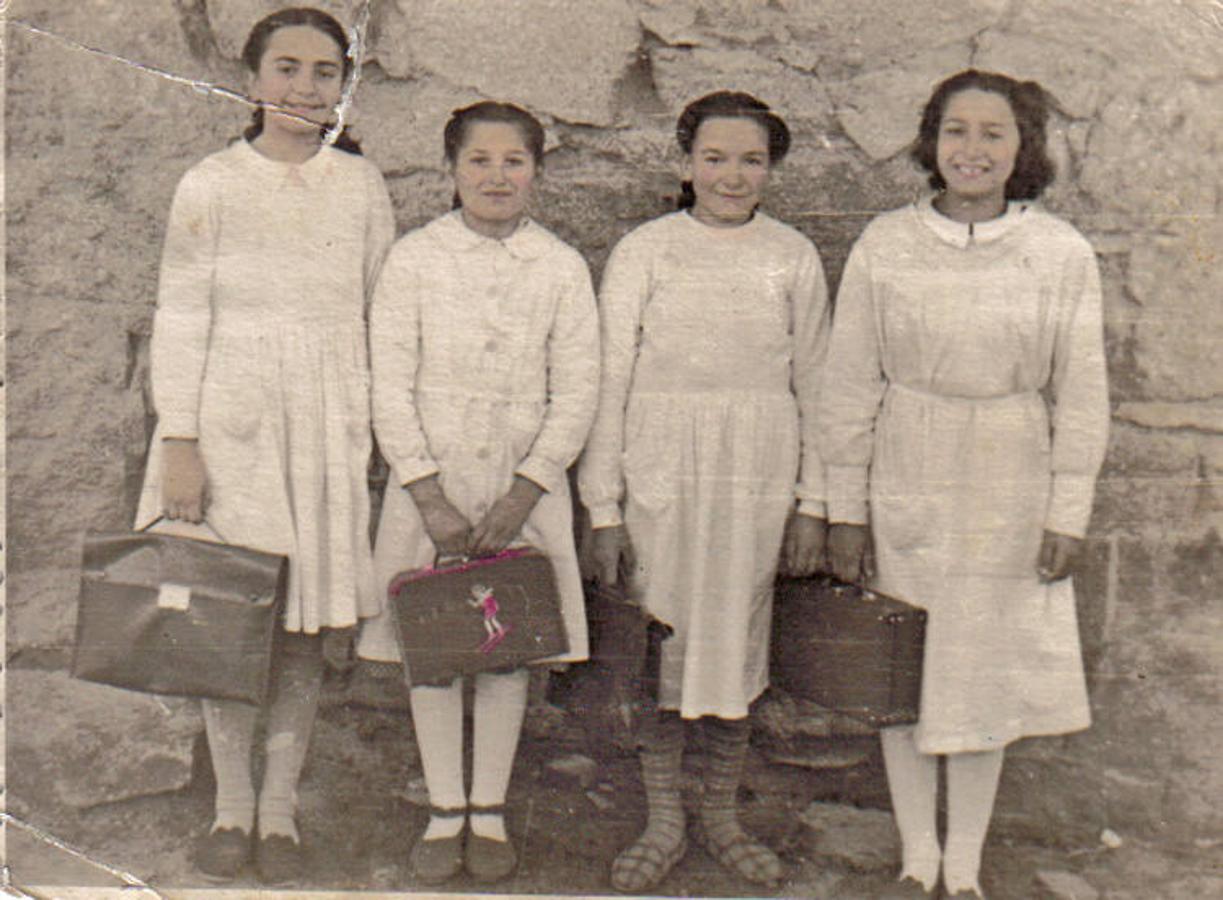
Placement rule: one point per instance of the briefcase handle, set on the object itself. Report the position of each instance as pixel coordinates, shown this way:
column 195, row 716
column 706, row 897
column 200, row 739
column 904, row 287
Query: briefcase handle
column 204, row 522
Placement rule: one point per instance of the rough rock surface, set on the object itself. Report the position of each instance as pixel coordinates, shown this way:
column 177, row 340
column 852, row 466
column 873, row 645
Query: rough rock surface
column 864, row 840
column 95, row 147
column 81, row 744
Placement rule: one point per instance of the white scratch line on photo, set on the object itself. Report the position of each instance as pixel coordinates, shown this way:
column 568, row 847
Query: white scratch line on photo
column 46, row 837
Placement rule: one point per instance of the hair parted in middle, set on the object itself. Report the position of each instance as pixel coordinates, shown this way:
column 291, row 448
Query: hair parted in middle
column 257, row 43
column 455, row 133
column 1029, row 103
column 729, row 105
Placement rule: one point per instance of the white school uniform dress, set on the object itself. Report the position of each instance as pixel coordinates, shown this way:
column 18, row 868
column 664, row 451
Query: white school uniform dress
column 966, row 403
column 486, row 365
column 713, row 342
column 259, row 352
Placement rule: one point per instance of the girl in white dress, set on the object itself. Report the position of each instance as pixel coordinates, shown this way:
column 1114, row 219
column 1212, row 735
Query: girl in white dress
column 261, row 386
column 966, row 417
column 703, row 458
column 485, row 351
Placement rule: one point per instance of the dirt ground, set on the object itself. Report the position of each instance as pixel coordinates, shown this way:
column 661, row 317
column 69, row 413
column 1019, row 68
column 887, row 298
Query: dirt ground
column 361, row 809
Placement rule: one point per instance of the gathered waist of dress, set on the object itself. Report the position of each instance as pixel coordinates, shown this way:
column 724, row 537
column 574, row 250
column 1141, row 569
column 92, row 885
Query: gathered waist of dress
column 266, row 323
column 899, row 390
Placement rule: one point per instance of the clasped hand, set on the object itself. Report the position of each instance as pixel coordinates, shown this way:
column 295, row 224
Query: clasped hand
column 453, row 534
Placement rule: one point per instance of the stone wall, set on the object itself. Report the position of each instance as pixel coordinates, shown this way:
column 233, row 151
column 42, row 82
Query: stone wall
column 96, row 145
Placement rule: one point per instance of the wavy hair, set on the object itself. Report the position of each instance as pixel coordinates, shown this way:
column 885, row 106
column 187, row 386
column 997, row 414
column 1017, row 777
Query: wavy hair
column 1029, row 103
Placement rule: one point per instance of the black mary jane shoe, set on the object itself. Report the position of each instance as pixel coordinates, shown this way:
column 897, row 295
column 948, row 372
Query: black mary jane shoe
column 278, row 859
column 438, row 860
column 488, row 860
column 221, row 854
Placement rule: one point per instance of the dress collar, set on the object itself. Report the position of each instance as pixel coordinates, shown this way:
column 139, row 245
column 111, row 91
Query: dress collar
column 529, row 240
column 963, row 235
column 310, row 173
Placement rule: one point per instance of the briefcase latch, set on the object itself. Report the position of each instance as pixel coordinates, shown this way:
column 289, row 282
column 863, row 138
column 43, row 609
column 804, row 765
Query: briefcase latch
column 174, row 596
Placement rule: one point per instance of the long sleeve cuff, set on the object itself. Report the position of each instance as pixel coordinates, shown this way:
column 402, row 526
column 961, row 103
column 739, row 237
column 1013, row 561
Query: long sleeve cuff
column 179, row 425
column 817, row 508
column 847, row 494
column 415, row 470
column 547, row 475
column 1070, row 504
column 605, row 515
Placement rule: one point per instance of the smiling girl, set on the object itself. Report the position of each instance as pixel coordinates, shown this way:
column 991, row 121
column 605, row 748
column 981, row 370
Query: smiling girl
column 965, row 421
column 260, row 383
column 703, row 463
column 485, row 349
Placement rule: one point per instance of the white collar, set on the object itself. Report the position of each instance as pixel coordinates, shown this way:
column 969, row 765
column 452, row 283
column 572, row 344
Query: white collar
column 962, row 234
column 310, row 173
column 528, row 241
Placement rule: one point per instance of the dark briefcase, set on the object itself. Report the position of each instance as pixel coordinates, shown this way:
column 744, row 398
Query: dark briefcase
column 174, row 615
column 477, row 615
column 848, row 649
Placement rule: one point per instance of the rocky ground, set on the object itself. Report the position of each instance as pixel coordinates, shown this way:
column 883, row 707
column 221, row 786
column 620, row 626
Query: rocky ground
column 575, row 800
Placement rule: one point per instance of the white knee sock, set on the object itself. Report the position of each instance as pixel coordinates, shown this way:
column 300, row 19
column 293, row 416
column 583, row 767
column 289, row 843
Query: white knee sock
column 295, row 697
column 501, row 701
column 972, row 784
column 231, row 730
column 437, row 716
column 913, row 784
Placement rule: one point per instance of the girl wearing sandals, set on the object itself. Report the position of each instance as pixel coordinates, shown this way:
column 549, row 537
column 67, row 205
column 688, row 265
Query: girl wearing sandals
column 260, row 382
column 964, row 435
column 485, row 353
column 702, row 463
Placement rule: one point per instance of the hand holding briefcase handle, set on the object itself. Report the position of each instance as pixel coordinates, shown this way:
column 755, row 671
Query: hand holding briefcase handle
column 172, row 614
column 476, row 615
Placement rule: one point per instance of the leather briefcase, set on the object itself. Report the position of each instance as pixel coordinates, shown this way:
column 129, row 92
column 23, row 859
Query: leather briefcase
column 167, row 614
column 476, row 615
column 848, row 649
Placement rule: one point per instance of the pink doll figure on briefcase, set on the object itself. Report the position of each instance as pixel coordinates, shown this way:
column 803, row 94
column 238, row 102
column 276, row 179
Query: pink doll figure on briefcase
column 474, row 615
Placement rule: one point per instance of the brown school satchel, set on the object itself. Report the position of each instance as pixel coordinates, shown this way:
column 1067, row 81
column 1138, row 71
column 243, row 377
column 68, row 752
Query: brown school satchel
column 166, row 614
column 849, row 649
column 477, row 615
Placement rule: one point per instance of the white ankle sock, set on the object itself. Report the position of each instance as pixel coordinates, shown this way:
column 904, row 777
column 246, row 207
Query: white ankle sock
column 231, row 730
column 437, row 716
column 501, row 701
column 972, row 784
column 913, row 785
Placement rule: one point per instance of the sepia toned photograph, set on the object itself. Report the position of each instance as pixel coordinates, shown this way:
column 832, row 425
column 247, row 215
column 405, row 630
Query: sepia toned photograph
column 683, row 448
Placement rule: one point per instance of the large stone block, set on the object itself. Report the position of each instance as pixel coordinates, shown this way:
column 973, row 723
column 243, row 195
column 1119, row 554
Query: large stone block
column 1177, row 279
column 107, row 27
column 42, row 604
column 558, row 58
column 400, row 122
column 1075, row 75
column 880, row 109
column 232, row 20
column 879, row 33
column 1138, row 36
column 1151, row 160
column 681, row 75
column 80, row 744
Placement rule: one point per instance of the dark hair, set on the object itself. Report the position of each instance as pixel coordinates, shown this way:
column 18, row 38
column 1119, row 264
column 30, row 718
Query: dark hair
column 461, row 121
column 257, row 44
column 728, row 105
column 1034, row 170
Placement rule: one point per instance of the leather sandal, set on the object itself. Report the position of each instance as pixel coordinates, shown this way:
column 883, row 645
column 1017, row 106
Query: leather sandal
column 440, row 859
column 486, row 859
column 644, row 864
column 741, row 853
